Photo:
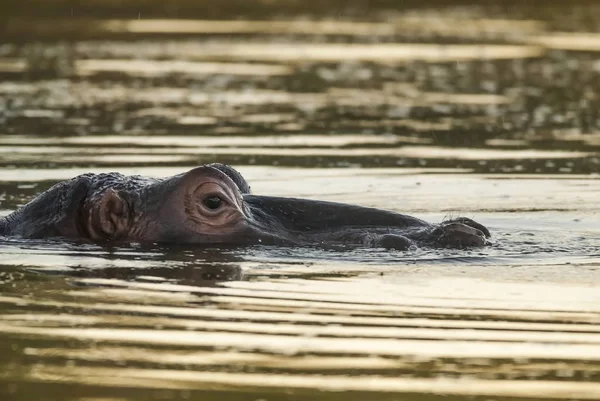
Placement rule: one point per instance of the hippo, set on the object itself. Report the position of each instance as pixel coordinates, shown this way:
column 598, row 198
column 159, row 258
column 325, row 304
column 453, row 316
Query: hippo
column 213, row 205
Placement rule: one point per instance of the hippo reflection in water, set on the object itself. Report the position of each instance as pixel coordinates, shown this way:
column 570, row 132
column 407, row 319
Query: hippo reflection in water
column 212, row 204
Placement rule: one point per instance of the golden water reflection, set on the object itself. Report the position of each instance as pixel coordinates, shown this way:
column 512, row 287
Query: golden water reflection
column 244, row 344
column 434, row 111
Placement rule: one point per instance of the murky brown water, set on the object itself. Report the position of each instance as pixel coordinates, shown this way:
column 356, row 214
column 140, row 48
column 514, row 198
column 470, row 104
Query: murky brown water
column 433, row 110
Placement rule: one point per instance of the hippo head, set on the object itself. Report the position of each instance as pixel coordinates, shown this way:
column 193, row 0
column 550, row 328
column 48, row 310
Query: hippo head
column 204, row 205
column 212, row 204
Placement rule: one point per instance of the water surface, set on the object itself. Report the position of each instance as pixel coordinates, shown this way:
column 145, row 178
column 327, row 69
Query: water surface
column 434, row 111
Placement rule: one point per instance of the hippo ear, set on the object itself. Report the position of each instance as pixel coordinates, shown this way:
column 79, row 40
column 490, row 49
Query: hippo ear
column 112, row 217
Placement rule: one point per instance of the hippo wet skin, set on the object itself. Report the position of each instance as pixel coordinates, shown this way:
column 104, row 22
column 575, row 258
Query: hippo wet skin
column 212, row 204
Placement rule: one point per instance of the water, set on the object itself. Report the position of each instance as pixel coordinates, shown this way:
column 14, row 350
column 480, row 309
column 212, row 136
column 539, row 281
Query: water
column 432, row 110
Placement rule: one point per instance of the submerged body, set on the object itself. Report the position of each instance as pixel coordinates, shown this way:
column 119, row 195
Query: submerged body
column 212, row 204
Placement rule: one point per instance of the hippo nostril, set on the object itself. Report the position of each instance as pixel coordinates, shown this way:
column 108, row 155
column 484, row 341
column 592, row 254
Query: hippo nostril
column 470, row 223
column 459, row 235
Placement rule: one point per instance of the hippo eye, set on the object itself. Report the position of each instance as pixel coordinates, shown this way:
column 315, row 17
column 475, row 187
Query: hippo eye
column 212, row 202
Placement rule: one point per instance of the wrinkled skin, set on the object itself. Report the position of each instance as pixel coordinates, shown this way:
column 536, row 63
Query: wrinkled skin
column 212, row 204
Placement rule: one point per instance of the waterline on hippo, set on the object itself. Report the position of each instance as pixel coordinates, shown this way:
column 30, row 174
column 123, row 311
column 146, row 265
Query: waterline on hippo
column 213, row 205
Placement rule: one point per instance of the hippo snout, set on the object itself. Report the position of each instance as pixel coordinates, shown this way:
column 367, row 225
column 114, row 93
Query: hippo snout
column 458, row 235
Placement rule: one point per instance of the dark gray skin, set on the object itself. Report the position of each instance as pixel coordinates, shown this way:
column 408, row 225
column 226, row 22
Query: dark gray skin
column 212, row 204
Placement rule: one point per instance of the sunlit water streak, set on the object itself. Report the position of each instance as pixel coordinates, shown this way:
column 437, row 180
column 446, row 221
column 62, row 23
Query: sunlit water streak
column 385, row 53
